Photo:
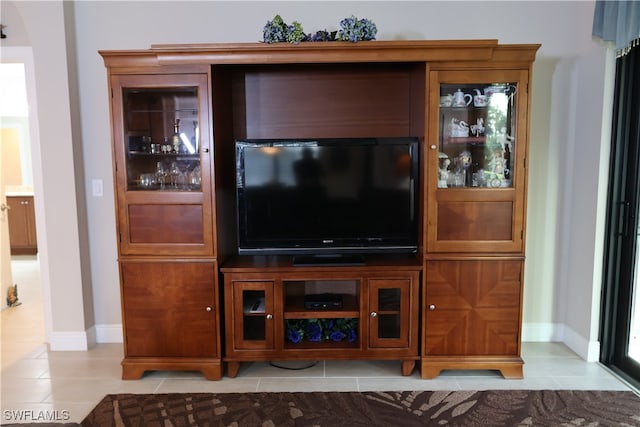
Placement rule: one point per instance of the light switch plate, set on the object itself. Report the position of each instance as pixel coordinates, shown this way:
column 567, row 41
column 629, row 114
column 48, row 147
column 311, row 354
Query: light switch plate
column 96, row 185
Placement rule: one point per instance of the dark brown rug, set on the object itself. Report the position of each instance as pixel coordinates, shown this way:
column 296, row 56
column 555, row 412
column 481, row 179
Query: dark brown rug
column 411, row 408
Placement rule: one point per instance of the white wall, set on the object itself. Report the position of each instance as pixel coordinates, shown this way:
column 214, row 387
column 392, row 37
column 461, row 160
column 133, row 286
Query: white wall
column 40, row 25
column 567, row 110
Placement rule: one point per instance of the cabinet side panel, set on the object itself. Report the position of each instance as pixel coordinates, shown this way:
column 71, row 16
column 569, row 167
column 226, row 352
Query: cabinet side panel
column 166, row 224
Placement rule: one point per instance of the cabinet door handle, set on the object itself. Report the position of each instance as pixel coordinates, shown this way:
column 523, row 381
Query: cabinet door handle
column 208, row 309
column 269, row 316
column 433, row 146
column 374, row 314
column 432, row 307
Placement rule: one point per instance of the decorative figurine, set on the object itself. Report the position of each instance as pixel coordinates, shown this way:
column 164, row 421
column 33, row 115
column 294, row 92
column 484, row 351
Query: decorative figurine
column 496, row 168
column 443, row 170
column 464, row 160
column 478, row 128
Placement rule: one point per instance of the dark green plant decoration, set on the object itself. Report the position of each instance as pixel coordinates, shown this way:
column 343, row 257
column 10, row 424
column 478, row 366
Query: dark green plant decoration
column 351, row 29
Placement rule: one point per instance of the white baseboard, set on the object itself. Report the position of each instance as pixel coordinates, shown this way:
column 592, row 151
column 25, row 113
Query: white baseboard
column 109, row 333
column 71, row 341
column 559, row 332
column 541, row 332
column 588, row 350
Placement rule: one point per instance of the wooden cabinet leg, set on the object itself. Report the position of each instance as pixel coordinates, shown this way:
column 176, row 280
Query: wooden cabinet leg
column 232, row 369
column 212, row 373
column 429, row 372
column 132, row 372
column 407, row 367
column 512, row 372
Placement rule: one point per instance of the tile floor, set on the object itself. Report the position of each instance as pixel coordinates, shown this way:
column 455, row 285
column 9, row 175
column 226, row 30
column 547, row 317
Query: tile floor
column 39, row 381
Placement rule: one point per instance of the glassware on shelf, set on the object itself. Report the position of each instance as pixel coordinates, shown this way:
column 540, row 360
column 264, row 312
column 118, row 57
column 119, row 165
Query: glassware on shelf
column 160, row 127
column 147, row 180
column 176, row 143
column 194, row 178
column 178, row 176
column 165, row 148
column 161, row 174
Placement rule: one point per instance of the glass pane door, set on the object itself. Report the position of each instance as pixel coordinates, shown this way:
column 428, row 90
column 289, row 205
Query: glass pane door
column 389, row 313
column 620, row 322
column 162, row 136
column 253, row 315
column 477, row 135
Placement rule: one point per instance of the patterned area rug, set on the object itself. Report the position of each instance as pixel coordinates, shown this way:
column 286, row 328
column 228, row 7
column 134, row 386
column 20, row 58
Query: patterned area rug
column 416, row 408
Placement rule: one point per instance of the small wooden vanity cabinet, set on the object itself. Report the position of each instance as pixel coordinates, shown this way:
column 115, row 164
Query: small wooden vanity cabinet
column 22, row 225
column 176, row 112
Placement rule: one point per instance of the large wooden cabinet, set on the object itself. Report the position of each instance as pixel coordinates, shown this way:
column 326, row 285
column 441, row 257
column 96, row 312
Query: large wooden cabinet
column 166, row 237
column 475, row 217
column 176, row 113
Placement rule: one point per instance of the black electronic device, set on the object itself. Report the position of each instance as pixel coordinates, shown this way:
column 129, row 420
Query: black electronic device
column 323, row 302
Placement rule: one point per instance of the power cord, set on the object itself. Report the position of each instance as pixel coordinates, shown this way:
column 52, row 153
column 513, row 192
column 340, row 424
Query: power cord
column 294, row 368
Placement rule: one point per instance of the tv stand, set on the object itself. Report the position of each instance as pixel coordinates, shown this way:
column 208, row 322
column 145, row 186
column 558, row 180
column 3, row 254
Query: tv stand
column 328, row 260
column 376, row 317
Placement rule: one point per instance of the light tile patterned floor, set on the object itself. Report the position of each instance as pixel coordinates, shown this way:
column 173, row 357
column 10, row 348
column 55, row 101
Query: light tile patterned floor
column 72, row 383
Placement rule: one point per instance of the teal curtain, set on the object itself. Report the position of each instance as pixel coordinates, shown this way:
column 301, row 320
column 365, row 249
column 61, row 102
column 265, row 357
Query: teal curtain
column 618, row 22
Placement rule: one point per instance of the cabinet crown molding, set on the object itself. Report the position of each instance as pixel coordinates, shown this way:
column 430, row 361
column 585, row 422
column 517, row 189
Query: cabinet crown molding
column 322, row 52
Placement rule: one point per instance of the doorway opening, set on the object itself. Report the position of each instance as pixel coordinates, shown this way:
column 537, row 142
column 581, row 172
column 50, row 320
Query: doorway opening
column 23, row 324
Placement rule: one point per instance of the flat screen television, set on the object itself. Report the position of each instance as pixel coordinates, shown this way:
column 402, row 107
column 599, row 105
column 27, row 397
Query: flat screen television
column 327, row 197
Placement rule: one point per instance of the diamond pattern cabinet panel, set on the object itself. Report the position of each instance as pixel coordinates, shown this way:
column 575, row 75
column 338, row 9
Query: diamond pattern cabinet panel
column 472, row 307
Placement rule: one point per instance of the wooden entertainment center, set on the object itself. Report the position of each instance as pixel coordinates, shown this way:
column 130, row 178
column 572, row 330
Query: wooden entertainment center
column 189, row 302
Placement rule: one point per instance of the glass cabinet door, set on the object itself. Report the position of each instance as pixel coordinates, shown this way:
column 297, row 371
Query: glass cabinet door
column 476, row 160
column 161, row 125
column 477, row 134
column 161, row 132
column 253, row 320
column 389, row 301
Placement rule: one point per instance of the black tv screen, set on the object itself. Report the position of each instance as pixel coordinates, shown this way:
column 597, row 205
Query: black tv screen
column 327, row 196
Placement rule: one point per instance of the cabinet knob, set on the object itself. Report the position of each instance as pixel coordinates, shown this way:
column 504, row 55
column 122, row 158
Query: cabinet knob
column 208, row 309
column 374, row 314
column 434, row 146
column 432, row 307
column 269, row 316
